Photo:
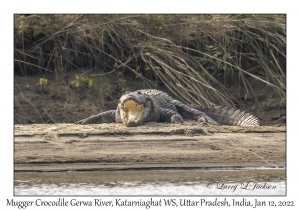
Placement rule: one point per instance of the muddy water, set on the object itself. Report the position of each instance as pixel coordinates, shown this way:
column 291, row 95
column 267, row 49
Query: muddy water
column 258, row 181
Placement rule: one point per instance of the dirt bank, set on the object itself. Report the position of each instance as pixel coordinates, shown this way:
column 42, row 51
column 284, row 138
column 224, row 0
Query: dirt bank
column 61, row 147
column 64, row 103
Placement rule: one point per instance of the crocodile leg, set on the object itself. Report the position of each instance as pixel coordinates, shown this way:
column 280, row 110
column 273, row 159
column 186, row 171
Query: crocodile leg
column 170, row 116
column 104, row 117
column 196, row 114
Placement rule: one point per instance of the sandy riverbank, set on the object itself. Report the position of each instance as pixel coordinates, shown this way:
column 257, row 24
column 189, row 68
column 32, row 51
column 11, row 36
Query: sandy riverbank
column 63, row 147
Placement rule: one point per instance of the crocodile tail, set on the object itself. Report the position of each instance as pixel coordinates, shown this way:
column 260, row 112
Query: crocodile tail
column 229, row 116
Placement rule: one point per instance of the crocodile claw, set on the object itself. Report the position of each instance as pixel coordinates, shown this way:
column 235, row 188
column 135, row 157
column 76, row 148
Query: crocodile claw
column 82, row 122
column 207, row 119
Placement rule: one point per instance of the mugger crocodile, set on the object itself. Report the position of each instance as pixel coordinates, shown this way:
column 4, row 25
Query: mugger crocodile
column 152, row 105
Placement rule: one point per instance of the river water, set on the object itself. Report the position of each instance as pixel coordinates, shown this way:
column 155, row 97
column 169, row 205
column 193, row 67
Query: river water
column 258, row 181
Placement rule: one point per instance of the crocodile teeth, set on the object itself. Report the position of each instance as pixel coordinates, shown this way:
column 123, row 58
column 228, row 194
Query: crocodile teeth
column 132, row 110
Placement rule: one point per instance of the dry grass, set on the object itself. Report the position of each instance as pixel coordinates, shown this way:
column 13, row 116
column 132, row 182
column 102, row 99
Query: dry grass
column 194, row 56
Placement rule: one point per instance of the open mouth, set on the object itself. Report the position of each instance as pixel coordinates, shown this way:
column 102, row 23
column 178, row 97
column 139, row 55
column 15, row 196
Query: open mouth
column 132, row 111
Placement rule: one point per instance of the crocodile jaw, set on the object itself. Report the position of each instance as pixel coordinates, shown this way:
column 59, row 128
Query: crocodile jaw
column 132, row 112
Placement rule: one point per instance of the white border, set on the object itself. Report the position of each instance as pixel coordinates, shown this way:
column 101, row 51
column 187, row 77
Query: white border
column 216, row 6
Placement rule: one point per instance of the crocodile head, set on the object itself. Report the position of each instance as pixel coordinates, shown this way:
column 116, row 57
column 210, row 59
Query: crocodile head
column 134, row 108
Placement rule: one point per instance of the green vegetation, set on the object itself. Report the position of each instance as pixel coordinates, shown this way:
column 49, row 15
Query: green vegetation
column 43, row 82
column 194, row 56
column 92, row 82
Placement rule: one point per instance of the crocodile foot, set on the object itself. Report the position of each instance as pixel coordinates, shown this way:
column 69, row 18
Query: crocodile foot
column 205, row 118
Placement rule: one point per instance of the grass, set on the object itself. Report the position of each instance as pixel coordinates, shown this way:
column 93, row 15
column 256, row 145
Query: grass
column 195, row 56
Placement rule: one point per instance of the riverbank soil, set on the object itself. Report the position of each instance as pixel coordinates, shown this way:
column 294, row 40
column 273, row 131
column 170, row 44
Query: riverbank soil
column 193, row 145
column 61, row 102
